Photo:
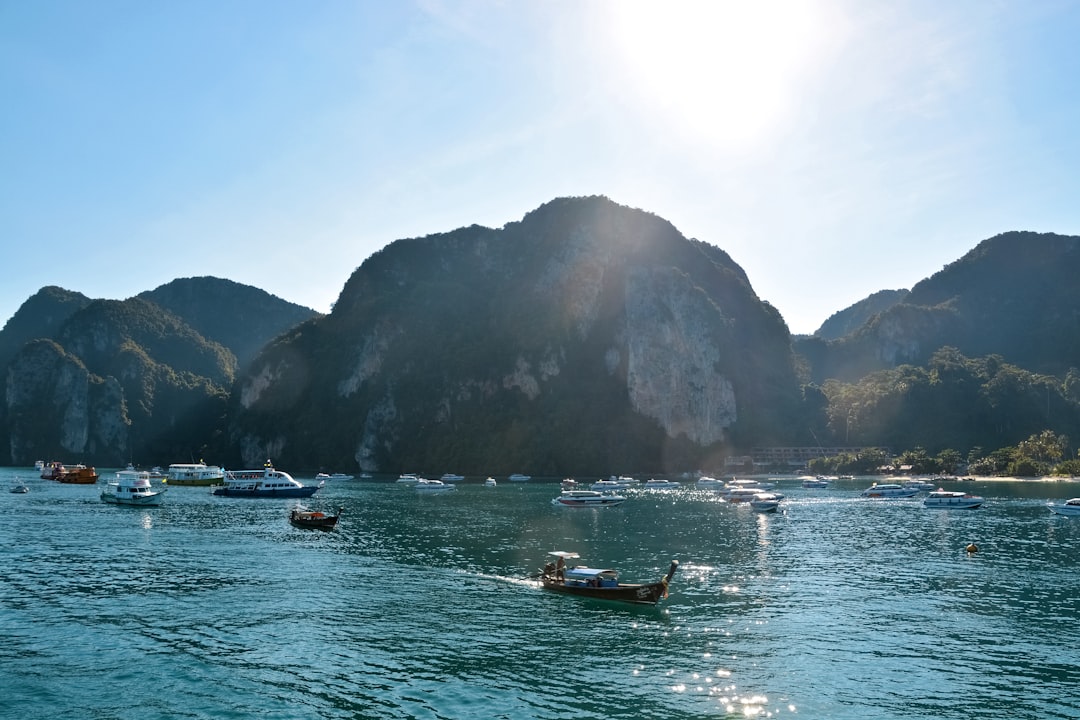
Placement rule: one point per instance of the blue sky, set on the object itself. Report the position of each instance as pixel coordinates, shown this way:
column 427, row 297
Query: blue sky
column 832, row 147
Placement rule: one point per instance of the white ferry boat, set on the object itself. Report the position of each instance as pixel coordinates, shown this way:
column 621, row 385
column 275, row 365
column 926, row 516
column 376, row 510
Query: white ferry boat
column 194, row 474
column 132, row 487
column 265, row 483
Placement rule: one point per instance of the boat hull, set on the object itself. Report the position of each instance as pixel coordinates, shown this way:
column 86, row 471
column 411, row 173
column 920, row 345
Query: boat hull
column 299, row 492
column 1066, row 510
column 145, row 501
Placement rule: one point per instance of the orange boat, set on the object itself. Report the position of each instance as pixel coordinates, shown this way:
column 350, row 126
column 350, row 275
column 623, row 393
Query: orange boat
column 78, row 475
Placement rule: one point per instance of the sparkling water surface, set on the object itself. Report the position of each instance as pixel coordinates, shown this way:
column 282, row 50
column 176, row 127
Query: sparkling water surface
column 422, row 607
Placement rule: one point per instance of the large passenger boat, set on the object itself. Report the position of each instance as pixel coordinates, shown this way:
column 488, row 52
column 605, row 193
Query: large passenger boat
column 265, row 483
column 194, row 474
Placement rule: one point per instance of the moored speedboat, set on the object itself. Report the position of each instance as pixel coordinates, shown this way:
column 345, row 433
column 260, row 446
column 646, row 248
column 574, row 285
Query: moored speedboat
column 408, row 479
column 765, row 501
column 518, row 477
column 602, row 584
column 1069, row 507
column 661, row 485
column 570, row 484
column 265, row 483
column 889, row 490
column 18, row 486
column 194, row 474
column 451, row 478
column 424, row 485
column 918, row 484
column 948, row 499
column 710, row 483
column 132, row 487
column 490, row 482
column 815, row 482
column 587, row 499
column 609, row 486
column 333, row 476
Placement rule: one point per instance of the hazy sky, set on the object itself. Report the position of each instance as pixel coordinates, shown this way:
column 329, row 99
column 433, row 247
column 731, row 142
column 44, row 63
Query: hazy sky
column 832, row 147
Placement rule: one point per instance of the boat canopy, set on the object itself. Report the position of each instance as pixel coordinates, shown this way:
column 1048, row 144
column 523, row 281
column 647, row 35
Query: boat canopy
column 564, row 555
column 585, row 573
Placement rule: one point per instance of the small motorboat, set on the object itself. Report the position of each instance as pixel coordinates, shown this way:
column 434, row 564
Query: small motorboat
column 661, row 485
column 587, row 499
column 1069, row 507
column 765, row 501
column 710, row 483
column 490, row 482
column 609, row 486
column 408, row 479
column 889, row 490
column 451, row 478
column 919, row 484
column 518, row 477
column 132, row 487
column 570, row 484
column 948, row 499
column 314, row 519
column 602, row 584
column 815, row 482
column 18, row 486
column 424, row 485
column 333, row 476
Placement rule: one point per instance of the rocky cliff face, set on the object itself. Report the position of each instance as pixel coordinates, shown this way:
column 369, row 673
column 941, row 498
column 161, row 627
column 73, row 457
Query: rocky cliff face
column 589, row 336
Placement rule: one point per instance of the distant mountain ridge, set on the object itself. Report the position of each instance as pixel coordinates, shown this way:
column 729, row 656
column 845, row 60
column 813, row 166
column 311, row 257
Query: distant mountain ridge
column 1013, row 295
column 588, row 337
column 105, row 381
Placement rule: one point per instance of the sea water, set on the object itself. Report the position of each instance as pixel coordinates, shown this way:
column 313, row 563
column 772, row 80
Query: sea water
column 422, row 606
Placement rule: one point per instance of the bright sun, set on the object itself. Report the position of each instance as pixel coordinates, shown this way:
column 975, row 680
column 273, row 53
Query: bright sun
column 721, row 72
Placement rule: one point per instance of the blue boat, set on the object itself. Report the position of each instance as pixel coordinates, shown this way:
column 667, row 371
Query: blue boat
column 265, row 483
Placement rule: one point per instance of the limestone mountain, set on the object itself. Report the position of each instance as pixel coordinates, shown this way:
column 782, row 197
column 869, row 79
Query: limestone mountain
column 108, row 381
column 846, row 321
column 239, row 317
column 1014, row 295
column 588, row 337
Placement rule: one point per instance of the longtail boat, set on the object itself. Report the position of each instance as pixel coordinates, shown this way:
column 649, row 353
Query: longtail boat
column 314, row 519
column 601, row 583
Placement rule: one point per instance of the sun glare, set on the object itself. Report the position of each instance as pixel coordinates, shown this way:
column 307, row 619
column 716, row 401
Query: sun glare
column 721, row 73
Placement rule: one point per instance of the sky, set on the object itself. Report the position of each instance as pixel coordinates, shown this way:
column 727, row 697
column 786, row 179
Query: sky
column 832, row 148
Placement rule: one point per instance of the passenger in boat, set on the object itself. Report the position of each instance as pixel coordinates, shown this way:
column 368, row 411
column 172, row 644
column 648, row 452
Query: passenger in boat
column 560, row 570
column 549, row 569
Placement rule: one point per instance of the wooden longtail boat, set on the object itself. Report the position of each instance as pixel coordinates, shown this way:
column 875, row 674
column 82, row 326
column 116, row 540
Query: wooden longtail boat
column 599, row 583
column 314, row 519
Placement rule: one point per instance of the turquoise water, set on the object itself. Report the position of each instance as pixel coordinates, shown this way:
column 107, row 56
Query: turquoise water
column 418, row 607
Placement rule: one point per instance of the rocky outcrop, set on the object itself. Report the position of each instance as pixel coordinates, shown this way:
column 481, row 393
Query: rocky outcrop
column 588, row 336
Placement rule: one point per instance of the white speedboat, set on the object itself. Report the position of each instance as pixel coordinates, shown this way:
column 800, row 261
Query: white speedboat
column 816, row 482
column 570, row 484
column 408, row 478
column 919, row 484
column 490, row 482
column 747, row 483
column 765, row 501
column 587, row 499
column 1069, row 507
column 661, row 485
column 889, row 490
column 949, row 499
column 333, row 476
column 194, row 474
column 433, row 486
column 518, row 477
column 710, row 483
column 609, row 486
column 451, row 478
column 18, row 486
column 132, row 487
